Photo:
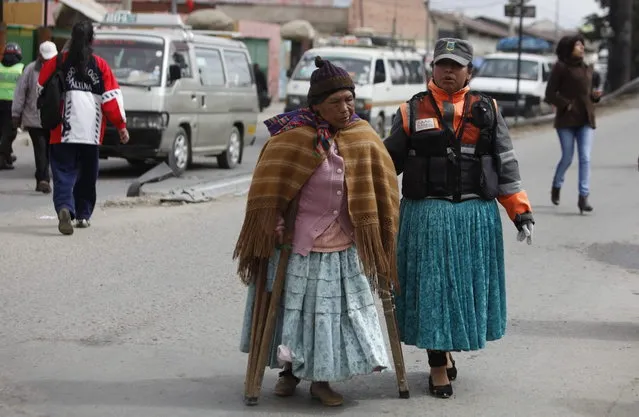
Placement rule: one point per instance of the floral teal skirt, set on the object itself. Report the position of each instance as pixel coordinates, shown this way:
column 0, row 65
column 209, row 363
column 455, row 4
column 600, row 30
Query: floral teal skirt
column 328, row 320
column 451, row 273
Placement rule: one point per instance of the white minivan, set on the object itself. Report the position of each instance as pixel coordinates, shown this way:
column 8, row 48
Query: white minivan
column 384, row 79
column 185, row 93
column 497, row 77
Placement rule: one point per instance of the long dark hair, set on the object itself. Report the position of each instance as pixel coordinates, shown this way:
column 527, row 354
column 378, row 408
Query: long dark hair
column 566, row 45
column 80, row 50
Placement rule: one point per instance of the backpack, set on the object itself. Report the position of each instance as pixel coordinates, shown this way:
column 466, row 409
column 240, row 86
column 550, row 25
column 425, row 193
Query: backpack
column 50, row 100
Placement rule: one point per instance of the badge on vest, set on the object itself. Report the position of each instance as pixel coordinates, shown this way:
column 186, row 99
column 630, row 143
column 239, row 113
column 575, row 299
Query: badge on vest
column 425, row 124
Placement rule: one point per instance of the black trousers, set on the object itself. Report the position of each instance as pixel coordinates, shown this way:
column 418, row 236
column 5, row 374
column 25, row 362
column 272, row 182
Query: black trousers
column 40, row 139
column 8, row 133
column 75, row 173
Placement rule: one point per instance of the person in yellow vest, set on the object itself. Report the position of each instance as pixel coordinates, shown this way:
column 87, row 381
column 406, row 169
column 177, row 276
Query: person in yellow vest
column 457, row 159
column 11, row 68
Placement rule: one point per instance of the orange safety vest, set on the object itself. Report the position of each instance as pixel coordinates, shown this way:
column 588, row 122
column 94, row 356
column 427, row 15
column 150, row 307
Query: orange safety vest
column 450, row 150
column 424, row 116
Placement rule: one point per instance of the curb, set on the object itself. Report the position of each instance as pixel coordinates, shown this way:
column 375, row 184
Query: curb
column 200, row 193
column 209, row 191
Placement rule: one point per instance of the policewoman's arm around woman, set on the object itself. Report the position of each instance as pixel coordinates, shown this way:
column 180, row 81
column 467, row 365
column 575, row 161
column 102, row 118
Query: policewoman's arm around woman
column 457, row 159
column 344, row 238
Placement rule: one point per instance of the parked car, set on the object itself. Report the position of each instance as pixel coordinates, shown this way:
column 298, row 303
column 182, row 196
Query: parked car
column 385, row 78
column 185, row 93
column 497, row 77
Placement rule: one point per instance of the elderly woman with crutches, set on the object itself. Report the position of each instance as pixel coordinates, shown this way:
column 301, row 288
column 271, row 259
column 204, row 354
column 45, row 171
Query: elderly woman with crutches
column 318, row 237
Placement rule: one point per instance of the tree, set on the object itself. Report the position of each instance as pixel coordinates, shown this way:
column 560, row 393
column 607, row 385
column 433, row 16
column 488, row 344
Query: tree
column 623, row 19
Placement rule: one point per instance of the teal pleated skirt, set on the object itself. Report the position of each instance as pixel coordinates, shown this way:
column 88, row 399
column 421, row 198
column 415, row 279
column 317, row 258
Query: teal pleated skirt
column 327, row 319
column 451, row 273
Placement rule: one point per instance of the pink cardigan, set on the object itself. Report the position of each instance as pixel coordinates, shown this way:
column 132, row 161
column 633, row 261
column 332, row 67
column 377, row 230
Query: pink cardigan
column 323, row 223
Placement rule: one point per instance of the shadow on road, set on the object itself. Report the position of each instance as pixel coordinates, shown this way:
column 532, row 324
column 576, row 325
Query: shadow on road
column 224, row 392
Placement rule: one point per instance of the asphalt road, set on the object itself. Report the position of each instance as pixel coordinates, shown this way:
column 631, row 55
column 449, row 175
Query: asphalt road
column 140, row 314
column 17, row 186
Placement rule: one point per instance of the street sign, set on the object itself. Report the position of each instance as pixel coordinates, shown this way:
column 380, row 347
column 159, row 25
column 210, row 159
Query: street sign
column 515, row 10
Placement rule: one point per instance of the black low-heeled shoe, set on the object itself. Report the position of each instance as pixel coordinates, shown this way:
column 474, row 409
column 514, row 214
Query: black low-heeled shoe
column 452, row 372
column 442, row 391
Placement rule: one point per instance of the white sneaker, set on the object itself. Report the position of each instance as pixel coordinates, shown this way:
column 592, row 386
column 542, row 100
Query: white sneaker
column 82, row 223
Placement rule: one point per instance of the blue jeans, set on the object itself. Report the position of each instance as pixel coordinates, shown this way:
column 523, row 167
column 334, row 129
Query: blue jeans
column 74, row 168
column 567, row 137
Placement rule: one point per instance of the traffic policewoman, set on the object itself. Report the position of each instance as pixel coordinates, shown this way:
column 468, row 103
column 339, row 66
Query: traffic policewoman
column 456, row 156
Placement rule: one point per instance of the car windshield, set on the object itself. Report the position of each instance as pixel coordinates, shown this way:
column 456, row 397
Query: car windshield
column 133, row 62
column 507, row 68
column 359, row 69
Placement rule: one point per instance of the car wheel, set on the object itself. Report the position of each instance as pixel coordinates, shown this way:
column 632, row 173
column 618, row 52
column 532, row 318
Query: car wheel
column 231, row 156
column 380, row 126
column 180, row 154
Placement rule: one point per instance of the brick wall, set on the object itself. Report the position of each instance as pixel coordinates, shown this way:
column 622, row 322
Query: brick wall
column 379, row 14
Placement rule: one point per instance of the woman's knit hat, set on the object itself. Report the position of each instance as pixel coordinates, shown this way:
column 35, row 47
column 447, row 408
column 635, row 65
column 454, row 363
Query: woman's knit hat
column 326, row 80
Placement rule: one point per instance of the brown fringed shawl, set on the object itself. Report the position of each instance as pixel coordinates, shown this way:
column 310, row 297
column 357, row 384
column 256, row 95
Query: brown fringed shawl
column 287, row 162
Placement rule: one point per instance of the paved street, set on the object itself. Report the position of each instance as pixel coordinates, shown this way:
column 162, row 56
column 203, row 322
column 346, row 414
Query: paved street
column 116, row 174
column 140, row 315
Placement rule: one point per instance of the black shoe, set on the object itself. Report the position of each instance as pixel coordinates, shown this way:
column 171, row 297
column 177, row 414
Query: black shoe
column 13, row 157
column 444, row 391
column 64, row 224
column 584, row 205
column 43, row 187
column 452, row 372
column 5, row 163
column 554, row 195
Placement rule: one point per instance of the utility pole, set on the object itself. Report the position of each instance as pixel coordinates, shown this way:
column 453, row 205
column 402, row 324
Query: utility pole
column 173, row 6
column 127, row 5
column 620, row 54
column 361, row 13
column 427, row 35
column 557, row 20
column 519, row 42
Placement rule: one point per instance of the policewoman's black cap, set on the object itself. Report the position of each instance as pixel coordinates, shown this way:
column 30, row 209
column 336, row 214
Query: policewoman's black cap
column 458, row 50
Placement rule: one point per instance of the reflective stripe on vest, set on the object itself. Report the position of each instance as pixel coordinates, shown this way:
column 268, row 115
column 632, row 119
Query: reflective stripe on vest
column 426, row 119
column 9, row 80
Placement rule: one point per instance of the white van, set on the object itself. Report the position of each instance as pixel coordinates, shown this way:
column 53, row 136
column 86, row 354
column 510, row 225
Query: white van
column 497, row 77
column 185, row 93
column 384, row 78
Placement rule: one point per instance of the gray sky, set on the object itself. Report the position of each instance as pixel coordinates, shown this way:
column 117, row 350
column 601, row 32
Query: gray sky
column 571, row 12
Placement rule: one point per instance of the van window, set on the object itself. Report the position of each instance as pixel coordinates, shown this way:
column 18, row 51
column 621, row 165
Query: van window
column 358, row 68
column 179, row 55
column 545, row 72
column 416, row 72
column 398, row 75
column 507, row 68
column 380, row 71
column 209, row 62
column 133, row 62
column 237, row 66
